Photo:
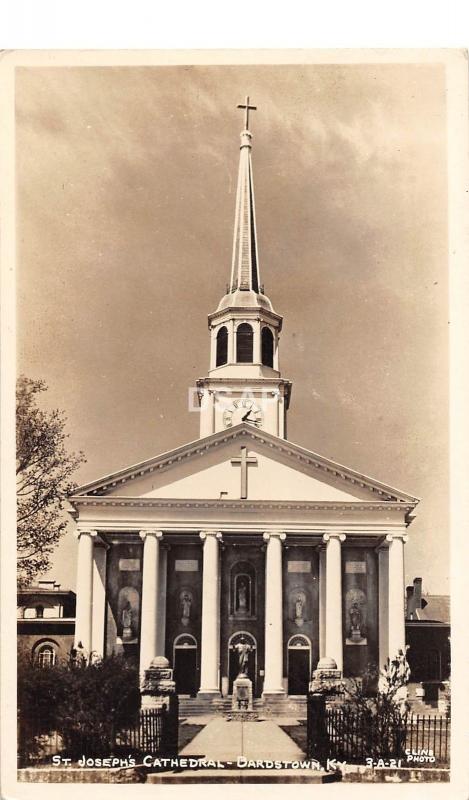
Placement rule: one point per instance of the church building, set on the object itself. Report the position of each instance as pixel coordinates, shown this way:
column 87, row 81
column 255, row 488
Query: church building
column 242, row 538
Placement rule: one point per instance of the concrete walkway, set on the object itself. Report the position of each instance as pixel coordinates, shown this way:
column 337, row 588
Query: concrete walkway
column 223, row 740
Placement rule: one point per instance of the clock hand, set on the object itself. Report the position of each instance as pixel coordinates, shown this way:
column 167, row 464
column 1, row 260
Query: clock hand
column 245, row 418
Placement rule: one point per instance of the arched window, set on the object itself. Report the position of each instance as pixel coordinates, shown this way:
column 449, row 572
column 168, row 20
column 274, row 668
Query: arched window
column 267, row 347
column 244, row 344
column 45, row 655
column 222, row 346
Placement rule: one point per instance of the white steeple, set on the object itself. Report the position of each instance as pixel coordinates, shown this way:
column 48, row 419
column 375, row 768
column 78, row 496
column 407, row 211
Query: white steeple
column 244, row 368
column 245, row 263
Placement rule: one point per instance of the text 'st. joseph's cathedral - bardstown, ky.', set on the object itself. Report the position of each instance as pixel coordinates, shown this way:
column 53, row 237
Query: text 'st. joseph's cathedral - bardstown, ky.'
column 241, row 535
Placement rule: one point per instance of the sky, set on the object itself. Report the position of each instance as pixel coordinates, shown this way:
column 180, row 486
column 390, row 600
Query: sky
column 126, row 182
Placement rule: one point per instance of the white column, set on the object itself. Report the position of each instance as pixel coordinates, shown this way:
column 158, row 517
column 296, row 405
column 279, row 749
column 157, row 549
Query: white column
column 273, row 670
column 84, row 589
column 383, row 605
column 213, row 347
column 396, row 593
column 98, row 612
column 210, row 646
column 231, row 342
column 334, row 641
column 256, row 342
column 162, row 583
column 207, row 411
column 322, row 602
column 276, row 338
column 149, row 620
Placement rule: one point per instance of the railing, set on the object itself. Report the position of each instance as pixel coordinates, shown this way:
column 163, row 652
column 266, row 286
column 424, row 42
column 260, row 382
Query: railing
column 355, row 735
column 153, row 731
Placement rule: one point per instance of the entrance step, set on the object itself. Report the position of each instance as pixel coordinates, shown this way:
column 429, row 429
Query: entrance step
column 294, row 706
column 228, row 775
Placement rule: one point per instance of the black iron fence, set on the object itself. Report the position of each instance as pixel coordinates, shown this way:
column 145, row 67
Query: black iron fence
column 152, row 731
column 355, row 735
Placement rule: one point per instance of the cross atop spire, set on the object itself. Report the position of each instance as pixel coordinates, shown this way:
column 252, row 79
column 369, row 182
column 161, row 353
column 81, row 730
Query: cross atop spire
column 247, row 108
column 245, row 266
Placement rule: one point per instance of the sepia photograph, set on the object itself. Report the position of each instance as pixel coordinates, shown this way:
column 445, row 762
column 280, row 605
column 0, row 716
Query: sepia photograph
column 232, row 419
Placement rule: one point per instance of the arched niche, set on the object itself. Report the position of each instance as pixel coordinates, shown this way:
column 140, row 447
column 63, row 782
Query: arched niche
column 243, row 600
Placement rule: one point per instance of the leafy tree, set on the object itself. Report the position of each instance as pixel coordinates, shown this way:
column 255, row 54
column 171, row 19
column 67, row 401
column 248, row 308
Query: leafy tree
column 43, row 471
column 379, row 700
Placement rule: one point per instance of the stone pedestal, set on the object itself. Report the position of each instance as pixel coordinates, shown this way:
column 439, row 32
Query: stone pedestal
column 157, row 686
column 242, row 694
column 327, row 680
column 241, row 704
column 127, row 634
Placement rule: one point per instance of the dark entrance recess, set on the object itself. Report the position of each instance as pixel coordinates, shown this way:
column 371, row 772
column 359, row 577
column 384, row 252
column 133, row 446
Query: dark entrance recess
column 185, row 670
column 298, row 670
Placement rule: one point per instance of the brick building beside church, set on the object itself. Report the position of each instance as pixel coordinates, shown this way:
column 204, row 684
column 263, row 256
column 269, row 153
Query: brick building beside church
column 46, row 622
column 242, row 535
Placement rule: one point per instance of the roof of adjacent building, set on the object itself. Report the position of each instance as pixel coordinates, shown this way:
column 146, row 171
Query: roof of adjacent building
column 435, row 608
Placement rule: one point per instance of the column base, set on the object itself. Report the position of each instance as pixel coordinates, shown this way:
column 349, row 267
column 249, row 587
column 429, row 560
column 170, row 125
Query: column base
column 274, row 694
column 208, row 694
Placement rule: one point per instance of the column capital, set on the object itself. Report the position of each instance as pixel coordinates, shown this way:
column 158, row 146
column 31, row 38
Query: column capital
column 333, row 535
column 391, row 537
column 268, row 534
column 150, row 532
column 204, row 534
column 82, row 531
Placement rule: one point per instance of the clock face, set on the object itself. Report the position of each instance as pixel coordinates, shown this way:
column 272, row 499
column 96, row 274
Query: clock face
column 242, row 411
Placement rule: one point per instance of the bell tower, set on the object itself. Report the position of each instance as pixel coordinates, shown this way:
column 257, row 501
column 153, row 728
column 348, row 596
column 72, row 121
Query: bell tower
column 244, row 382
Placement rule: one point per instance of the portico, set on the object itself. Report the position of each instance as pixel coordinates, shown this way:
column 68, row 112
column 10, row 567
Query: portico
column 299, row 578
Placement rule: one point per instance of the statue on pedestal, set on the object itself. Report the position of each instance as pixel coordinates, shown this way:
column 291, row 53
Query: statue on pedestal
column 241, row 598
column 299, row 606
column 186, row 603
column 355, row 622
column 127, row 621
column 243, row 649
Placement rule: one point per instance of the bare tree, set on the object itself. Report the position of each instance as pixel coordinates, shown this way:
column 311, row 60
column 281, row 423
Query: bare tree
column 43, row 471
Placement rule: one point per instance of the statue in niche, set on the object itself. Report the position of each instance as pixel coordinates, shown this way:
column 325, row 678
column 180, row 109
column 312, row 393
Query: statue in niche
column 298, row 600
column 186, row 603
column 242, row 597
column 243, row 649
column 356, row 611
column 299, row 610
column 355, row 620
column 127, row 621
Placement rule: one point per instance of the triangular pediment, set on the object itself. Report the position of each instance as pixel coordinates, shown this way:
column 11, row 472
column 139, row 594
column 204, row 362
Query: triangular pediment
column 208, row 469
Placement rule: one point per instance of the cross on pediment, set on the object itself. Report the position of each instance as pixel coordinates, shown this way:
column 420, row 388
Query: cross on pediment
column 243, row 461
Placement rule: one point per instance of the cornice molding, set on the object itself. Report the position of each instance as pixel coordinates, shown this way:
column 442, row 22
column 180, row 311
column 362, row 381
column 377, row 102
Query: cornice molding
column 233, row 312
column 237, row 505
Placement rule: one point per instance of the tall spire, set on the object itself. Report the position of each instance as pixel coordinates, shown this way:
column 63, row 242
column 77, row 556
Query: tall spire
column 245, row 264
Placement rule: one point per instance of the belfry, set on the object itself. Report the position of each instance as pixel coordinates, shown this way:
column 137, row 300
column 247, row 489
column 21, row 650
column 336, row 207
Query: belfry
column 242, row 545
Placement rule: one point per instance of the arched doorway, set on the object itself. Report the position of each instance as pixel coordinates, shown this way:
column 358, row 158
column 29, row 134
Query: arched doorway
column 299, row 664
column 237, row 638
column 185, row 664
